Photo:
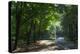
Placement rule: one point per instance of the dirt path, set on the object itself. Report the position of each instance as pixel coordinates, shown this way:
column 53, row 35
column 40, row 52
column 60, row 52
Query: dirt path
column 42, row 45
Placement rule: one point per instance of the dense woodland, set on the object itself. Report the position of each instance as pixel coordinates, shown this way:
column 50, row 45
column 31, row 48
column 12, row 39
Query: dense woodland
column 31, row 23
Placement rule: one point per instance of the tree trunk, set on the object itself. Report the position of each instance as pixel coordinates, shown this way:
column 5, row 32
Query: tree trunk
column 18, row 19
column 34, row 35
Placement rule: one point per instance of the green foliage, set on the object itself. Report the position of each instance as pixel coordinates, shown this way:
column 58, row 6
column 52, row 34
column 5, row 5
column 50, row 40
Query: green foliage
column 39, row 19
column 70, row 24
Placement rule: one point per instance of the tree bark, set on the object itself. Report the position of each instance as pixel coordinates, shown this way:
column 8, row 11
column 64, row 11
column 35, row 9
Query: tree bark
column 18, row 20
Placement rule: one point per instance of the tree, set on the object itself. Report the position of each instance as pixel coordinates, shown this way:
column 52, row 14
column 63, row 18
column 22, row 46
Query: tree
column 70, row 23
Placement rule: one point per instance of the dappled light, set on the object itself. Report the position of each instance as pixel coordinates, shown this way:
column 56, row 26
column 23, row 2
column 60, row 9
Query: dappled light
column 42, row 27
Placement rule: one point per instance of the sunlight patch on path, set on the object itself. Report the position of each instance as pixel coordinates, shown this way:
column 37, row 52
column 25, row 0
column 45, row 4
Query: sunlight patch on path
column 45, row 42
